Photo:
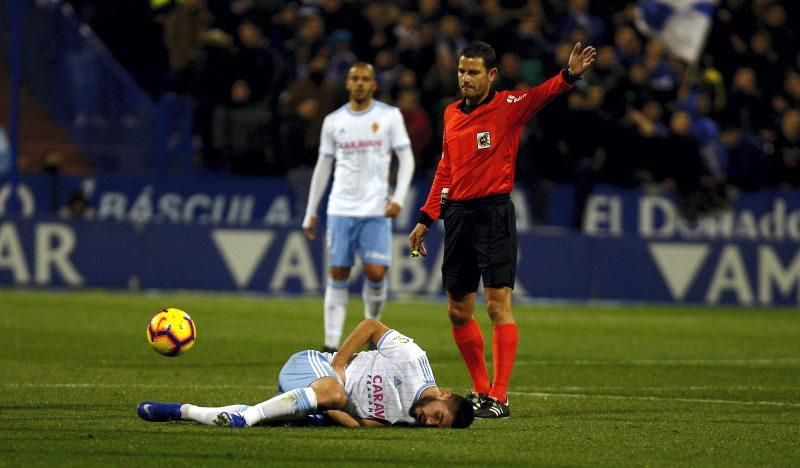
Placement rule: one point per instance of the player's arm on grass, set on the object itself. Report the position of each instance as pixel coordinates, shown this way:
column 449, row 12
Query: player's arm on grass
column 346, row 420
column 366, row 331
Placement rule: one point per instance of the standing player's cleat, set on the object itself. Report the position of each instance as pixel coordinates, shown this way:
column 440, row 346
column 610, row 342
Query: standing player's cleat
column 476, row 399
column 328, row 349
column 491, row 408
column 230, row 419
column 159, row 412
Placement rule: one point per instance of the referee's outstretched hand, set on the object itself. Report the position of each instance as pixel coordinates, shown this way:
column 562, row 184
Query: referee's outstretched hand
column 581, row 60
column 415, row 240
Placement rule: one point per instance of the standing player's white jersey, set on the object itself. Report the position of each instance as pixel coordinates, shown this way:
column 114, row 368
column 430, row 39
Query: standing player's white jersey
column 362, row 144
column 383, row 384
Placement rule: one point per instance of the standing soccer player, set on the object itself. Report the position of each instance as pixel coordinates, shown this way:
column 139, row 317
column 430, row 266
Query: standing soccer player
column 471, row 193
column 360, row 137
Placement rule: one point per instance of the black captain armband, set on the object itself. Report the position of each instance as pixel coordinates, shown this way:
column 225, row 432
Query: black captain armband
column 569, row 77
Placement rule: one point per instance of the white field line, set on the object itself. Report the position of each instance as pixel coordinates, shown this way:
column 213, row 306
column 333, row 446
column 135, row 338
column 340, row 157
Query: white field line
column 544, row 395
column 664, row 362
column 101, row 385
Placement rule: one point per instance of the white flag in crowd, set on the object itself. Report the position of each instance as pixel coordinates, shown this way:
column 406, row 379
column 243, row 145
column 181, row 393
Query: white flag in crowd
column 681, row 25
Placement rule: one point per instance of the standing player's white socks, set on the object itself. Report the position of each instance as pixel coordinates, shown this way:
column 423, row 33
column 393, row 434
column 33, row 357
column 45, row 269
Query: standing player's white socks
column 205, row 415
column 374, row 296
column 335, row 311
column 294, row 404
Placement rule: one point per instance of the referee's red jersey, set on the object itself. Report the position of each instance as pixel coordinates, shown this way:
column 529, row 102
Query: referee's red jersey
column 479, row 149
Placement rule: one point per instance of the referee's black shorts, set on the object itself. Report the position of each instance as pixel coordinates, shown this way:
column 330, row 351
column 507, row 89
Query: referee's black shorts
column 480, row 241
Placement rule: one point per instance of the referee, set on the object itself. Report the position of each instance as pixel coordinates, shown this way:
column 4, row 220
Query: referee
column 470, row 192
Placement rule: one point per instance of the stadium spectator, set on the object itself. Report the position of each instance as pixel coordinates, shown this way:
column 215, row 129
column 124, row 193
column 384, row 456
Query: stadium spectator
column 304, row 105
column 240, row 133
column 511, row 77
column 790, row 97
column 579, row 16
column 342, row 57
column 471, row 192
column 185, row 28
column 360, row 137
column 747, row 109
column 254, row 61
column 748, row 165
column 77, row 207
column 344, row 386
column 786, row 152
column 417, row 122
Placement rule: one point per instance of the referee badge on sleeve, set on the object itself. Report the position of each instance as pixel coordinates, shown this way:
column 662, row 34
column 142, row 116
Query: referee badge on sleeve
column 484, row 140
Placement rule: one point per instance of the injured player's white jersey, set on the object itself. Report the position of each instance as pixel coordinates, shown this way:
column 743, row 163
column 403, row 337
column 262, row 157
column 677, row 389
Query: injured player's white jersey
column 384, row 384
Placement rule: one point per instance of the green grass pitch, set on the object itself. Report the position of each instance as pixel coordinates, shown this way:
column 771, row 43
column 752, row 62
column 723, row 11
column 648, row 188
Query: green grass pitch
column 593, row 385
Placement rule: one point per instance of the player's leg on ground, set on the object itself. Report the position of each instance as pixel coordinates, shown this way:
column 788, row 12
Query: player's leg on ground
column 335, row 306
column 294, row 404
column 206, row 415
column 323, row 394
column 375, row 289
column 468, row 337
column 504, row 340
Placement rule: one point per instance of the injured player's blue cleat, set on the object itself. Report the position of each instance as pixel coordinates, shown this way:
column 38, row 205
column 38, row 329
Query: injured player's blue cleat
column 159, row 412
column 230, row 419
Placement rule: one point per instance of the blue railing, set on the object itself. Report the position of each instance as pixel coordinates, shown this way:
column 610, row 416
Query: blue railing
column 85, row 90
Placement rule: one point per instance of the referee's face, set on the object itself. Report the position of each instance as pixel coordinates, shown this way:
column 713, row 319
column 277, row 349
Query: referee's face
column 361, row 83
column 474, row 80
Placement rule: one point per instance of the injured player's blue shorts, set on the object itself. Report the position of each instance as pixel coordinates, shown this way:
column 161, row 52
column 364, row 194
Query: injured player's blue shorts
column 303, row 368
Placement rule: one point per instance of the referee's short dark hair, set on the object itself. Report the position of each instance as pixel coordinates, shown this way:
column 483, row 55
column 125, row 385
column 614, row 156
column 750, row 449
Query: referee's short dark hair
column 480, row 49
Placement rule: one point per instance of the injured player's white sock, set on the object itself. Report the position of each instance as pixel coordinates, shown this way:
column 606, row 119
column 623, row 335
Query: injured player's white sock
column 294, row 404
column 335, row 311
column 374, row 295
column 206, row 415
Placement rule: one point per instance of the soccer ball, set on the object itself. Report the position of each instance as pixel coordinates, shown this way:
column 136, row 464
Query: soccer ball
column 171, row 332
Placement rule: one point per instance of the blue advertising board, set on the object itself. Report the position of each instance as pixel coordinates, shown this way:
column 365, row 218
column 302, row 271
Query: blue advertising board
column 50, row 252
column 226, row 234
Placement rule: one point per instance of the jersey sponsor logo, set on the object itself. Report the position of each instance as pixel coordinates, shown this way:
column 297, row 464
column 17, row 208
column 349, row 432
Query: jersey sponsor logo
column 484, row 140
column 513, row 99
column 375, row 396
column 359, row 145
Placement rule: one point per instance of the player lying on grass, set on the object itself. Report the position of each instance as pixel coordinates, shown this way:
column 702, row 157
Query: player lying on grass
column 392, row 385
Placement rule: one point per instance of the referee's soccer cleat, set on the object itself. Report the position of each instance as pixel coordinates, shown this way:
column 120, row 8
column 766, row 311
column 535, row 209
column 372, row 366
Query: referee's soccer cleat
column 491, row 408
column 476, row 399
column 230, row 419
column 155, row 411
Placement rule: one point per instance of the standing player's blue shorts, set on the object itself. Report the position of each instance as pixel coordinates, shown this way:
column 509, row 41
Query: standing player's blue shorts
column 370, row 236
column 303, row 368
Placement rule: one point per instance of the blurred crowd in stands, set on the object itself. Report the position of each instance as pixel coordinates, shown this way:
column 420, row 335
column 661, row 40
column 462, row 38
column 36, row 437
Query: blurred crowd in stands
column 264, row 73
